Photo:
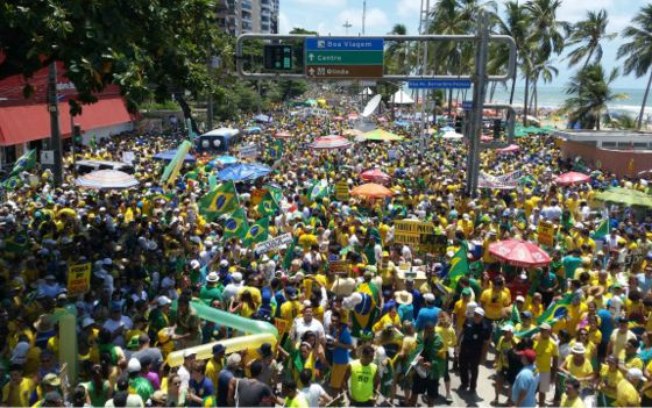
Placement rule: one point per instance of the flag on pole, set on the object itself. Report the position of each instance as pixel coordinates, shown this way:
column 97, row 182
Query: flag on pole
column 268, row 205
column 236, row 224
column 172, row 170
column 319, row 189
column 26, row 162
column 556, row 310
column 459, row 264
column 223, row 199
column 257, row 232
column 602, row 230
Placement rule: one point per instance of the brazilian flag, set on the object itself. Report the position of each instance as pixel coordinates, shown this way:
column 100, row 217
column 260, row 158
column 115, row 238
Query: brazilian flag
column 236, row 224
column 223, row 199
column 26, row 162
column 556, row 310
column 12, row 183
column 276, row 192
column 276, row 150
column 257, row 232
column 268, row 205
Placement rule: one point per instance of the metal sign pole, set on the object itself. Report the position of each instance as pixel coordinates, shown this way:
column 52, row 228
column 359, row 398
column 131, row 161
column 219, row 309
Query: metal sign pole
column 479, row 93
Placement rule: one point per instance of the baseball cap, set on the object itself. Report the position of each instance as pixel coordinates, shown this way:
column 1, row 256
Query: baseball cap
column 545, row 326
column 529, row 354
column 51, row 379
column 520, row 298
column 219, row 348
column 133, row 366
column 163, row 300
column 634, row 374
column 479, row 311
column 466, row 292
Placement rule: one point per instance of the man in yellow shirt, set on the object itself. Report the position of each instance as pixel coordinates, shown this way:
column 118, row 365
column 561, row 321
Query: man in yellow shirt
column 547, row 355
column 17, row 391
column 571, row 398
column 627, row 393
column 494, row 300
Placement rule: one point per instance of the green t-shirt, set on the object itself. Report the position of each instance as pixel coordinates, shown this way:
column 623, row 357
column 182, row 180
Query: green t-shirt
column 210, row 294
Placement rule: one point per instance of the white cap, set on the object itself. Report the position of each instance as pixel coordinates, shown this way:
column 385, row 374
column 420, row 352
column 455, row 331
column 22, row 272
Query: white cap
column 237, row 277
column 429, row 297
column 634, row 374
column 194, row 264
column 508, row 328
column 212, row 277
column 479, row 311
column 133, row 366
column 224, row 262
column 520, row 298
column 88, row 321
column 163, row 300
column 233, row 360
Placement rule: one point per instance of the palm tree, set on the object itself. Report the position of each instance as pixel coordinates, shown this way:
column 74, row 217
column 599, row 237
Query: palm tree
column 515, row 24
column 591, row 92
column 397, row 53
column 545, row 71
column 546, row 36
column 638, row 51
column 588, row 35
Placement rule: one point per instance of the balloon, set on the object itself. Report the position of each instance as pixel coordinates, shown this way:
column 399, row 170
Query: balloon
column 222, row 318
column 233, row 345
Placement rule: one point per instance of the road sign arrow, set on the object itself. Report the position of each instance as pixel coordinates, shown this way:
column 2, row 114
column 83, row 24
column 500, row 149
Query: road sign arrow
column 311, row 57
column 311, row 71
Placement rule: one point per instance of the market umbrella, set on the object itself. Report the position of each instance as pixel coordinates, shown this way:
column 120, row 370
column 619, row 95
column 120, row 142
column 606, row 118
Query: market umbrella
column 625, row 196
column 168, row 155
column 223, row 160
column 572, row 177
column 519, row 253
column 381, row 135
column 452, row 136
column 509, row 149
column 243, row 171
column 283, row 134
column 107, row 180
column 375, row 175
column 331, row 142
column 371, row 190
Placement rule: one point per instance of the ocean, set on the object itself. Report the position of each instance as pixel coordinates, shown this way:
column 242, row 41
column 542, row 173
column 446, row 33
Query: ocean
column 554, row 97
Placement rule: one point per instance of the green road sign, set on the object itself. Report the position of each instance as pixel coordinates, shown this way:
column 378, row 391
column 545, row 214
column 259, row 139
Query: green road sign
column 344, row 58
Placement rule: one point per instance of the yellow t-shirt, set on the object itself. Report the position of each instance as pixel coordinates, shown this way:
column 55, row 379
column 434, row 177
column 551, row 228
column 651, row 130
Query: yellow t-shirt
column 460, row 314
column 502, row 348
column 447, row 335
column 546, row 350
column 386, row 319
column 648, row 368
column 627, row 395
column 575, row 313
column 576, row 403
column 612, row 378
column 18, row 396
column 494, row 303
column 579, row 371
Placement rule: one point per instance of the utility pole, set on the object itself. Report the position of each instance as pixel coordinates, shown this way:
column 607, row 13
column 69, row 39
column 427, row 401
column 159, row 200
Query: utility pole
column 346, row 26
column 364, row 15
column 479, row 93
column 55, row 139
column 423, row 29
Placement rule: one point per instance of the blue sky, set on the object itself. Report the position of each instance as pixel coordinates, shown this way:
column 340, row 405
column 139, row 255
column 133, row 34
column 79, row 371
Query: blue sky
column 329, row 16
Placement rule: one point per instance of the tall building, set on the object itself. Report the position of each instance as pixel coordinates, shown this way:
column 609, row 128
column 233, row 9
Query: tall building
column 248, row 16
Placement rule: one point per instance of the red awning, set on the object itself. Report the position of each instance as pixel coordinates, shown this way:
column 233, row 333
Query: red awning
column 21, row 124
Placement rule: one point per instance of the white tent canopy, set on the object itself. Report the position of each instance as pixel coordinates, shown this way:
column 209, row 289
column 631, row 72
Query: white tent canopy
column 367, row 91
column 401, row 98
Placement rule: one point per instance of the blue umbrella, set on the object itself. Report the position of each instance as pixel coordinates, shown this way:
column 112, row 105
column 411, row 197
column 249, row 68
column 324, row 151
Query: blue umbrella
column 254, row 129
column 223, row 160
column 168, row 155
column 243, row 171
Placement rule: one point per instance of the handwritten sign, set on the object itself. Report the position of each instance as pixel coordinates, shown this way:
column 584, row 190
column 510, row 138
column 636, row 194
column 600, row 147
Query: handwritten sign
column 249, row 151
column 338, row 267
column 79, row 279
column 410, row 232
column 546, row 234
column 273, row 243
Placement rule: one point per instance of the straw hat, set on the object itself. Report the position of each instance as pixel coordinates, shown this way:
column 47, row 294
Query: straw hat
column 343, row 286
column 403, row 297
column 578, row 348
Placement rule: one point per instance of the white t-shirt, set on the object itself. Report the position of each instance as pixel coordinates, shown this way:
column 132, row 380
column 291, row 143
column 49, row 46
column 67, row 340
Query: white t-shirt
column 300, row 327
column 312, row 394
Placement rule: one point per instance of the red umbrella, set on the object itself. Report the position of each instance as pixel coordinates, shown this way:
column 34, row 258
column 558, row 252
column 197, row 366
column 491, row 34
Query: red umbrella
column 572, row 177
column 331, row 142
column 509, row 149
column 375, row 175
column 520, row 253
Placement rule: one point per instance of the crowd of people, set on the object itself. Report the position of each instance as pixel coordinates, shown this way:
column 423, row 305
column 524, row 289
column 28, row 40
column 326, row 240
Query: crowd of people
column 392, row 328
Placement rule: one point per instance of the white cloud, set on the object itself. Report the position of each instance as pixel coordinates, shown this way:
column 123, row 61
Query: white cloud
column 576, row 10
column 409, row 8
column 285, row 26
column 320, row 3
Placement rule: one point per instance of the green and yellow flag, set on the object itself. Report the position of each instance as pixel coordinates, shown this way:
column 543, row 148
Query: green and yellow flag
column 459, row 264
column 602, row 230
column 268, row 205
column 236, row 224
column 223, row 199
column 257, row 232
column 26, row 162
column 172, row 170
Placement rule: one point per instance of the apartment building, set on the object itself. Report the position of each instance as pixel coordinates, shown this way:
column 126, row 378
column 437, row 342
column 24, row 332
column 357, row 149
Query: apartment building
column 249, row 16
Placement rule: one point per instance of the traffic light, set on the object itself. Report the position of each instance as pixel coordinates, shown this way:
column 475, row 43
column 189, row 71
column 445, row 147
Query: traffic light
column 278, row 57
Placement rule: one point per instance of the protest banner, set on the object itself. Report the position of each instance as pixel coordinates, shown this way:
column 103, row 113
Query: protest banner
column 546, row 234
column 274, row 243
column 79, row 279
